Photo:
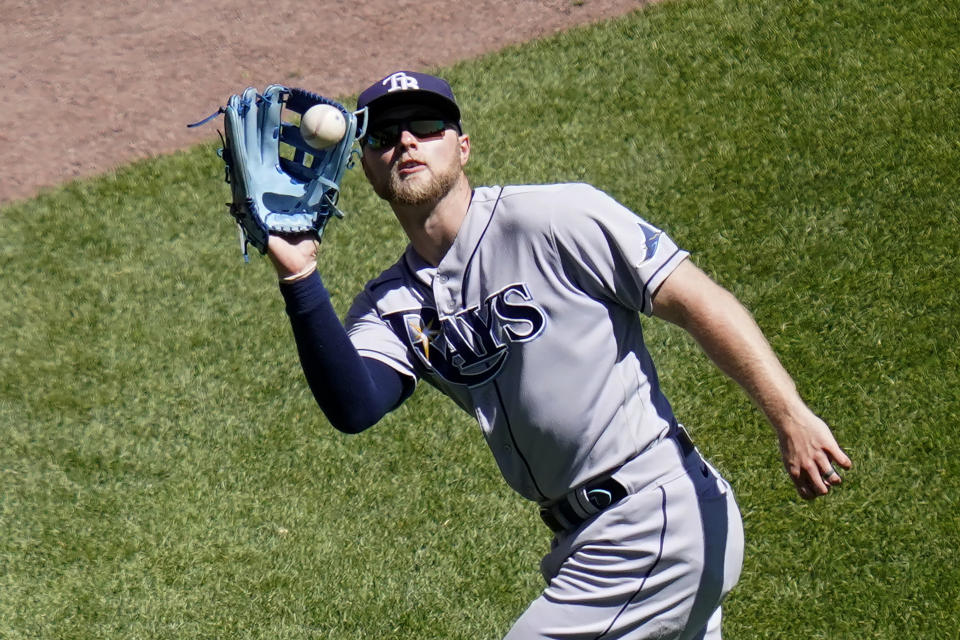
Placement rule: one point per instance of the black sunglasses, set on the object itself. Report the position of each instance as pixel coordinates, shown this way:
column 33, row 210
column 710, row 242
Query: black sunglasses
column 388, row 135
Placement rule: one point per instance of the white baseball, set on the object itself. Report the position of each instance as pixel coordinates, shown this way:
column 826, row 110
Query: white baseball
column 322, row 126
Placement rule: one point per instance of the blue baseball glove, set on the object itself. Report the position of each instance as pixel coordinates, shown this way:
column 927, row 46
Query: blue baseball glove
column 280, row 184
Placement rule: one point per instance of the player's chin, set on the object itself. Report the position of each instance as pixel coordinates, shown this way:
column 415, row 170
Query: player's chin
column 418, row 188
column 397, row 189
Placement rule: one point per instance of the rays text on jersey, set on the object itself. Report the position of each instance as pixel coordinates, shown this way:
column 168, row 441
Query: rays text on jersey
column 470, row 347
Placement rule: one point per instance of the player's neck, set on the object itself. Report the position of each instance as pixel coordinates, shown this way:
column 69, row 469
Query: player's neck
column 433, row 228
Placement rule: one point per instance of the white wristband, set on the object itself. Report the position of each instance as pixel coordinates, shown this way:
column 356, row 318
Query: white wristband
column 300, row 275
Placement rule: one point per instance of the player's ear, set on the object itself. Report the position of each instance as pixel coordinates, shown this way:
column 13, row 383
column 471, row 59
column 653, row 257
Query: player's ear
column 464, row 141
column 363, row 163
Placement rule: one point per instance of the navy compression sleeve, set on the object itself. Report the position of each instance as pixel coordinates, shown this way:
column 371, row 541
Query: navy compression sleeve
column 353, row 392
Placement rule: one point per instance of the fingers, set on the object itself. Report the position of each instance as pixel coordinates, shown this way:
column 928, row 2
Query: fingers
column 811, row 485
column 828, row 471
column 831, row 477
column 841, row 458
column 819, row 475
column 812, row 456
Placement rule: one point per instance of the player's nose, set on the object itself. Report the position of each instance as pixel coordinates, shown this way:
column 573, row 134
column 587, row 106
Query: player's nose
column 407, row 139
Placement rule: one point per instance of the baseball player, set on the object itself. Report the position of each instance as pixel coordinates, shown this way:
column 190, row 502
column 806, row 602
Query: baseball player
column 523, row 304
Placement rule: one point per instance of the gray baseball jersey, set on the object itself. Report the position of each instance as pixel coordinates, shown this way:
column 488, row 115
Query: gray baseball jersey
column 531, row 324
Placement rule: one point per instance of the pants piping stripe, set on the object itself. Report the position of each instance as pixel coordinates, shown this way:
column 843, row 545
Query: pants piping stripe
column 663, row 534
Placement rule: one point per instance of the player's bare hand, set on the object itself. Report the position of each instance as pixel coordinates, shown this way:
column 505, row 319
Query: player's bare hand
column 812, row 456
column 291, row 255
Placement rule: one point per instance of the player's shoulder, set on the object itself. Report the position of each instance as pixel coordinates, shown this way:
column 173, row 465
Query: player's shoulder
column 394, row 286
column 392, row 274
column 543, row 204
column 563, row 194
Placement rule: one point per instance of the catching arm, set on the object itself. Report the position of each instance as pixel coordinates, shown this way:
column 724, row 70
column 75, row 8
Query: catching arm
column 353, row 392
column 730, row 337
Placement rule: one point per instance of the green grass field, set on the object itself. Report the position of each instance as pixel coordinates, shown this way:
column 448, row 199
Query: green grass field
column 164, row 472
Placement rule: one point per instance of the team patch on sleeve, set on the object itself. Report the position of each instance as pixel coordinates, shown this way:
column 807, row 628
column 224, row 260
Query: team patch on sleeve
column 652, row 236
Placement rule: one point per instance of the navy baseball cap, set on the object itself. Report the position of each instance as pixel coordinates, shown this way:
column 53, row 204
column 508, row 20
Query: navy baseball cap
column 409, row 87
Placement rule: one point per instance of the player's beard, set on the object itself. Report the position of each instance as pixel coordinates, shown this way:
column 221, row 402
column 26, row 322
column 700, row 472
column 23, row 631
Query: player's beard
column 416, row 191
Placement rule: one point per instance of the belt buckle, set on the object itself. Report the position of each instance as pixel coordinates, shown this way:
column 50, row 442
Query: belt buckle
column 599, row 497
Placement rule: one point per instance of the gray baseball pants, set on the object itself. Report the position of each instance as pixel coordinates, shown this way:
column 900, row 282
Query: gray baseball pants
column 655, row 565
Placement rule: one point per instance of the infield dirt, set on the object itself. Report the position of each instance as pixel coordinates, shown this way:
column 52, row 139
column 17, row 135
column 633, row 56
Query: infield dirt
column 90, row 86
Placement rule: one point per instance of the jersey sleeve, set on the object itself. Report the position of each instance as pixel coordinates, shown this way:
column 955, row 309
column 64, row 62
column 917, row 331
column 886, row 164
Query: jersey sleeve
column 610, row 252
column 353, row 392
column 374, row 337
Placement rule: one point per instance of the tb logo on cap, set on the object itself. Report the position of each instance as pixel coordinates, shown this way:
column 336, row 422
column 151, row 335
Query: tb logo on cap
column 400, row 82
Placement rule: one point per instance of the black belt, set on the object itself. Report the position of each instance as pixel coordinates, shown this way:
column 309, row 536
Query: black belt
column 588, row 500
